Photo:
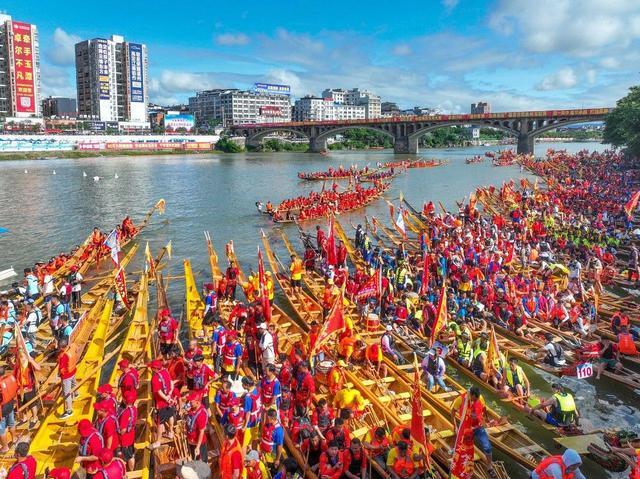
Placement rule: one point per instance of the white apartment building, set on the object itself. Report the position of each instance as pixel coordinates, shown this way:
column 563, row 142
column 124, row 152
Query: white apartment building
column 19, row 70
column 356, row 97
column 310, row 108
column 111, row 80
column 234, row 107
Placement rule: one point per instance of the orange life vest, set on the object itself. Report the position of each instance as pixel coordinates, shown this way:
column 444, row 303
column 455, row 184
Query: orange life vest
column 404, row 466
column 9, row 387
column 626, row 344
column 546, row 462
column 635, row 471
column 227, row 451
column 624, row 320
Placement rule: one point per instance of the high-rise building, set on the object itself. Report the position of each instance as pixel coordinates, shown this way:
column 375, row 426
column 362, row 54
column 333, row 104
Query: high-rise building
column 355, row 97
column 111, row 79
column 480, row 108
column 19, row 69
column 311, row 108
column 233, row 107
column 59, row 107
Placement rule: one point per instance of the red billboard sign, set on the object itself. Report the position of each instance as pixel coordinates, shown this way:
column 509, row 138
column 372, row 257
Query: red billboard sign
column 24, row 67
column 271, row 110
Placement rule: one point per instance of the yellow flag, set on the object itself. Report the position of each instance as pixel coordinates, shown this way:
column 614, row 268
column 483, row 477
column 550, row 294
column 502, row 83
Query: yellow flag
column 169, row 247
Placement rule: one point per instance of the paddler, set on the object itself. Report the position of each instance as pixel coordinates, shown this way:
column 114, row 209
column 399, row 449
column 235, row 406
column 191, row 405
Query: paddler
column 110, row 467
column 609, row 357
column 8, row 395
column 350, row 399
column 231, row 275
column 632, row 456
column 335, row 377
column 559, row 410
column 164, row 403
column 196, row 424
column 67, row 371
column 168, row 331
column 272, row 440
column 231, row 456
column 296, row 269
column 129, row 378
column 90, row 444
column 378, row 445
column 514, row 380
column 106, row 393
column 107, row 424
column 127, row 420
column 202, row 377
column 560, row 467
column 25, row 466
column 254, row 467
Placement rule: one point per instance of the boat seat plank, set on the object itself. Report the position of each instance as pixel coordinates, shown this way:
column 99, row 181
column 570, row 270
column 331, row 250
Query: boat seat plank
column 389, row 398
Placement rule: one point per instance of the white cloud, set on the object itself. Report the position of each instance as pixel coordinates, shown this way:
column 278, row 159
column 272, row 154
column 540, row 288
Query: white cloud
column 401, row 50
column 592, row 76
column 610, row 63
column 57, row 81
column 560, row 80
column 62, row 51
column 232, row 39
column 584, row 28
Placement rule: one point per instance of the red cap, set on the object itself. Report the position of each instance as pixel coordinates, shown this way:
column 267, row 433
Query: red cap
column 103, row 406
column 123, row 363
column 85, row 427
column 105, row 389
column 74, row 268
column 105, row 455
column 164, row 312
column 235, row 401
column 209, row 287
column 129, row 396
column 155, row 364
column 194, row 396
column 232, row 334
column 59, row 473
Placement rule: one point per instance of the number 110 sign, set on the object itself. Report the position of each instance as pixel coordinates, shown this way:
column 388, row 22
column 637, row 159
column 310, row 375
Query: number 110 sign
column 584, row 371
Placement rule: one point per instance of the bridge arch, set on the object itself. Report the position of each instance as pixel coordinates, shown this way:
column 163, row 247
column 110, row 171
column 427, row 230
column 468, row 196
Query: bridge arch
column 322, row 137
column 415, row 136
column 256, row 138
column 557, row 124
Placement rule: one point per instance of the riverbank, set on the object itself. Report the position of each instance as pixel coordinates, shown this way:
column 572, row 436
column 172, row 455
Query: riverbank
column 75, row 154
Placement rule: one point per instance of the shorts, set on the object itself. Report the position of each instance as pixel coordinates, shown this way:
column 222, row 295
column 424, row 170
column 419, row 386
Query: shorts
column 163, row 415
column 296, row 283
column 608, row 363
column 127, row 452
column 482, row 437
column 29, row 396
column 6, row 422
column 166, row 348
column 550, row 419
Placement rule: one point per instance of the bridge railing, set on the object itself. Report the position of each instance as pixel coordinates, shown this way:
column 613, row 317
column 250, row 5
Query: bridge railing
column 595, row 112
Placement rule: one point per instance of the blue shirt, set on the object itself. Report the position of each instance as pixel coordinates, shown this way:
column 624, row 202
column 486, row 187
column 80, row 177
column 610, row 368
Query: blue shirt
column 32, row 285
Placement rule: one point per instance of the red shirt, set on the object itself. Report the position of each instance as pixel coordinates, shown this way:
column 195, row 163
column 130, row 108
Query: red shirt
column 161, row 381
column 196, row 422
column 129, row 381
column 63, row 366
column 330, row 467
column 18, row 472
column 127, row 422
column 89, row 446
column 108, row 427
column 167, row 329
column 348, row 456
column 201, row 376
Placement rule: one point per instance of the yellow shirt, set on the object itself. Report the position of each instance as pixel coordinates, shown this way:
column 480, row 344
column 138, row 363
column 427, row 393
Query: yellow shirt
column 349, row 399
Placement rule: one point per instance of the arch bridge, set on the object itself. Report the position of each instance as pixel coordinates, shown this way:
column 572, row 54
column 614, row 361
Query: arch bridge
column 407, row 130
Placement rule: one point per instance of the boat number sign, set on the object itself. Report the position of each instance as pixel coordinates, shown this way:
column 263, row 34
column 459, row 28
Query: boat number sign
column 584, row 371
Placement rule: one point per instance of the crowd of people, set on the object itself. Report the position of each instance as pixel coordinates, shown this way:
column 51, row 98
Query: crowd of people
column 335, row 173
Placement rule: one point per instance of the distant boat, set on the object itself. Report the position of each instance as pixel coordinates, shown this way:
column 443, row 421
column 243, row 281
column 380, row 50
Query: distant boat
column 84, row 173
column 26, row 171
column 7, row 273
column 116, row 177
column 96, row 178
column 54, row 172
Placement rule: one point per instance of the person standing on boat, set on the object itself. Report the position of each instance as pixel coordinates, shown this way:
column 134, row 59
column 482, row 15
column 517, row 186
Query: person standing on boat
column 67, row 360
column 107, row 424
column 25, row 465
column 267, row 345
column 231, row 354
column 76, row 280
column 231, row 276
column 566, row 466
column 110, row 467
column 296, row 269
column 478, row 410
column 32, row 288
column 202, row 377
column 129, row 379
column 196, row 425
column 434, row 369
column 386, row 342
column 127, row 420
column 8, row 395
column 90, row 444
column 272, row 440
column 168, row 332
column 164, row 403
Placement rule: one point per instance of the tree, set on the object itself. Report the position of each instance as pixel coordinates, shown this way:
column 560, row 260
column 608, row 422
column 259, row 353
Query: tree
column 228, row 146
column 622, row 125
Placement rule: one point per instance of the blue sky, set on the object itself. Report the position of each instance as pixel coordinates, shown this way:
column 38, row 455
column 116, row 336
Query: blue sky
column 516, row 54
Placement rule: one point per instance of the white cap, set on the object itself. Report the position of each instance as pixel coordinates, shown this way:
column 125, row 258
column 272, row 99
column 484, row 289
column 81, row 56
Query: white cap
column 389, row 327
column 262, row 326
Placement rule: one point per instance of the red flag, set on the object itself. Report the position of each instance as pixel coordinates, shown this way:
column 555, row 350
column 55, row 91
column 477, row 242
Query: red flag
column 121, row 287
column 631, row 205
column 417, row 419
column 333, row 324
column 22, row 371
column 330, row 244
column 264, row 291
column 441, row 314
column 425, row 272
column 462, row 461
column 370, row 288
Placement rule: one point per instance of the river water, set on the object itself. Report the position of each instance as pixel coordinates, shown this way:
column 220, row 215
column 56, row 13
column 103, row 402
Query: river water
column 47, row 213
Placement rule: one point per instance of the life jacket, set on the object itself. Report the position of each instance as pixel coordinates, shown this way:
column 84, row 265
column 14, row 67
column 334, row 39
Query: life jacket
column 84, row 443
column 519, row 377
column 131, row 421
column 192, row 418
column 548, row 461
column 229, row 354
column 373, row 353
column 355, row 465
column 198, row 376
column 267, row 388
column 256, row 406
column 324, row 419
column 166, row 385
column 635, row 471
column 623, row 321
column 226, row 452
column 23, row 467
column 101, row 424
column 566, row 407
column 73, row 359
column 165, row 327
column 464, row 350
column 432, row 365
column 116, row 469
column 626, row 345
column 378, row 446
column 225, row 400
column 9, row 388
column 404, row 466
column 266, row 439
column 133, row 374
